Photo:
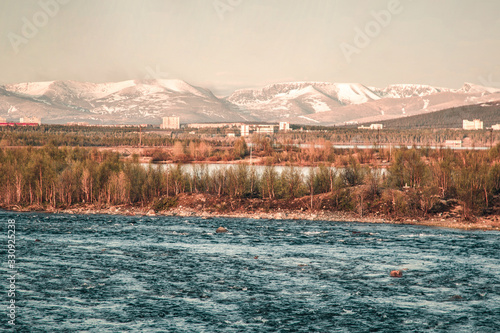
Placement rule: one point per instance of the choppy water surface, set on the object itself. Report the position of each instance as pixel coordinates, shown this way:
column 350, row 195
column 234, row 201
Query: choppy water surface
column 171, row 274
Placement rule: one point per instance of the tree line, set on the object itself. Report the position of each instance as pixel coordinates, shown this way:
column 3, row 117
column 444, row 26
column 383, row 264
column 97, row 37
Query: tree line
column 416, row 183
column 82, row 136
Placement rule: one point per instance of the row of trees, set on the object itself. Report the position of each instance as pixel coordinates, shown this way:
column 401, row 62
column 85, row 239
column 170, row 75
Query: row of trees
column 471, row 177
column 415, row 184
column 83, row 136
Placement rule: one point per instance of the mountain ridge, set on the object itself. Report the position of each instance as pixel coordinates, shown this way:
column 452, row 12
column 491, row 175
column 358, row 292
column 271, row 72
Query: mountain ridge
column 146, row 101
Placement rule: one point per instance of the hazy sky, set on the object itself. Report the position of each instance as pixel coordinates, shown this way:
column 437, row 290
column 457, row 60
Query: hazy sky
column 227, row 44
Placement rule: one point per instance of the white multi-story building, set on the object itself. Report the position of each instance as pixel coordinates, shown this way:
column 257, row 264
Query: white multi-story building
column 171, row 123
column 284, row 126
column 30, row 120
column 245, row 130
column 476, row 124
column 372, row 127
column 496, row 127
column 265, row 129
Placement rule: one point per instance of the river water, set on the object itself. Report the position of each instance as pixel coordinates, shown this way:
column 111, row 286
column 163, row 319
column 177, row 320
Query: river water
column 102, row 273
column 259, row 169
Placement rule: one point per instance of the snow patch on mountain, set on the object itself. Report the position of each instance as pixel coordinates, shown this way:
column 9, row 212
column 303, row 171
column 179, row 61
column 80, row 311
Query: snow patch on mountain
column 409, row 90
column 309, row 119
column 349, row 93
column 319, row 106
column 183, row 87
column 475, row 88
column 30, row 88
column 426, row 104
column 101, row 90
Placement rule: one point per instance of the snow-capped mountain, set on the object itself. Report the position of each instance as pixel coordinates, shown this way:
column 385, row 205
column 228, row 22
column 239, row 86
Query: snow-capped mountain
column 121, row 102
column 283, row 100
column 146, row 101
column 337, row 103
column 408, row 90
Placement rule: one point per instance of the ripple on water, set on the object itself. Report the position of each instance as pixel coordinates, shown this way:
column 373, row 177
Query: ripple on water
column 156, row 274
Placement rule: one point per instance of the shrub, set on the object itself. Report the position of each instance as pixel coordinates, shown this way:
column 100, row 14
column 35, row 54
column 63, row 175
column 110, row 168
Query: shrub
column 159, row 155
column 165, row 203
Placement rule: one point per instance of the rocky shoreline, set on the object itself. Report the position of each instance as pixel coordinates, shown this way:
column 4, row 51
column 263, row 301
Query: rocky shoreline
column 481, row 223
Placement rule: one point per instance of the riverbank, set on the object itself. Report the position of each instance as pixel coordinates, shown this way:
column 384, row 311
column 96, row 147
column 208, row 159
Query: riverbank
column 203, row 206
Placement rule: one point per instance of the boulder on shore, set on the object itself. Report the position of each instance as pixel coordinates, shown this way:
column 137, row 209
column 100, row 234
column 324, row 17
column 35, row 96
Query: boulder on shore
column 221, row 230
column 396, row 274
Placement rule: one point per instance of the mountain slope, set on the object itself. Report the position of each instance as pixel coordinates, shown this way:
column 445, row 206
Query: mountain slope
column 338, row 103
column 390, row 108
column 146, row 101
column 408, row 90
column 285, row 100
column 489, row 113
column 129, row 102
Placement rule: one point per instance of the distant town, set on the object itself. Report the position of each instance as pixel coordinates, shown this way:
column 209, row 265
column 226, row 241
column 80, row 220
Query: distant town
column 232, row 129
column 23, row 121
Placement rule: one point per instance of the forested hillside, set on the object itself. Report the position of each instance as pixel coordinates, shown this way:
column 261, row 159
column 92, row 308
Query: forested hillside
column 489, row 113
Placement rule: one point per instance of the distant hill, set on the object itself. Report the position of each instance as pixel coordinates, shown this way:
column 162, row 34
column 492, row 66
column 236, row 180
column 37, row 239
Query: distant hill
column 489, row 113
column 304, row 103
